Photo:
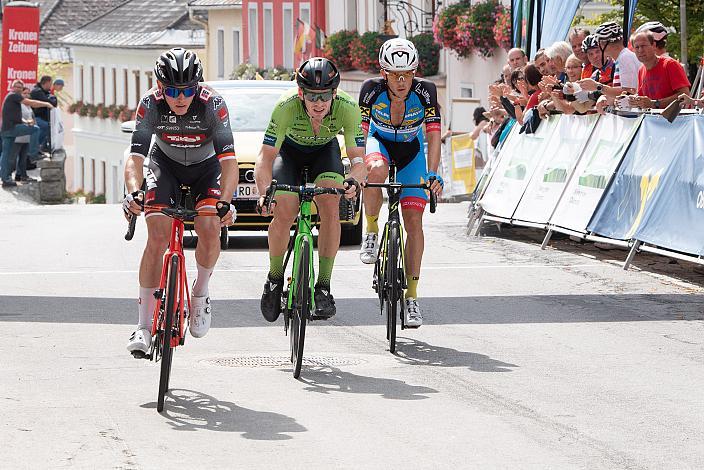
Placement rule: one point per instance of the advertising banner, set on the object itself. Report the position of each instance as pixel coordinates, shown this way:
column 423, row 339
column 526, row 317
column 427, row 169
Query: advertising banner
column 463, row 178
column 559, row 157
column 20, row 46
column 629, row 197
column 675, row 215
column 594, row 170
column 517, row 162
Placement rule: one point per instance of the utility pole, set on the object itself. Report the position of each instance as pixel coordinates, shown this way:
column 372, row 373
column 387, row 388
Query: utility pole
column 683, row 33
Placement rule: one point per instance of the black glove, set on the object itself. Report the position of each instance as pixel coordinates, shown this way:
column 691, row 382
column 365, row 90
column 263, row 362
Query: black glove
column 137, row 196
column 352, row 182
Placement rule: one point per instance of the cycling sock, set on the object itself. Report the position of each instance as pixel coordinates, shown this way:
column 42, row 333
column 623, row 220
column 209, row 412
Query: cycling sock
column 146, row 302
column 324, row 271
column 412, row 282
column 372, row 223
column 276, row 268
column 200, row 287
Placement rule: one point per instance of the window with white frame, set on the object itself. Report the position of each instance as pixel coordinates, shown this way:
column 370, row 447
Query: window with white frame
column 268, row 36
column 236, row 48
column 466, row 90
column 288, row 35
column 351, row 15
column 221, row 53
column 252, row 35
column 304, row 12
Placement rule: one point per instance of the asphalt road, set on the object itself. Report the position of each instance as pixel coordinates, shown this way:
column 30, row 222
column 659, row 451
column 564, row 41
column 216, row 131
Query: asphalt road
column 527, row 359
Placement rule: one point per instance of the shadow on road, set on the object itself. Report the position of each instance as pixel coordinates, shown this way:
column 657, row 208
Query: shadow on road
column 411, row 351
column 362, row 312
column 188, row 410
column 332, row 380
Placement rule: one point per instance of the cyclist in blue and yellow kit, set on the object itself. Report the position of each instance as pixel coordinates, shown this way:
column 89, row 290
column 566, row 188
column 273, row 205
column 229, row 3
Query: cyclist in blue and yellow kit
column 394, row 109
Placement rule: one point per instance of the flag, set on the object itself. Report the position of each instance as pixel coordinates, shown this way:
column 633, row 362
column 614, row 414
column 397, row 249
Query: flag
column 305, row 44
column 319, row 38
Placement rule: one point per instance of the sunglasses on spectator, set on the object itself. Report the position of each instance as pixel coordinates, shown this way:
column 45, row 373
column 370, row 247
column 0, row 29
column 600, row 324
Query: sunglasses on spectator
column 324, row 96
column 173, row 92
column 399, row 75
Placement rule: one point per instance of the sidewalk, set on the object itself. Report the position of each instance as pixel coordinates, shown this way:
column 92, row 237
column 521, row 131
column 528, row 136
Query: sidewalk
column 20, row 196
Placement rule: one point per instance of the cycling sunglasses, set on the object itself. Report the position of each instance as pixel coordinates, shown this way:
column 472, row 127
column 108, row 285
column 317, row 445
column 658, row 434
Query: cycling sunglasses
column 324, row 96
column 173, row 92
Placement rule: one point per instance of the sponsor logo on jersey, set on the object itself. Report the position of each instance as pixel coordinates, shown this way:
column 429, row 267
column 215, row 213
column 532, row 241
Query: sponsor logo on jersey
column 222, row 113
column 205, row 94
column 214, row 192
column 158, row 95
column 141, row 111
column 167, row 128
column 167, row 118
column 269, row 139
column 380, row 106
column 430, row 112
column 183, row 139
column 228, row 147
column 366, row 112
column 420, row 89
column 217, row 101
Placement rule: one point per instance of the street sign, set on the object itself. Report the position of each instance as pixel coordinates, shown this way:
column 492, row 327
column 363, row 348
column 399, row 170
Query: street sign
column 20, row 45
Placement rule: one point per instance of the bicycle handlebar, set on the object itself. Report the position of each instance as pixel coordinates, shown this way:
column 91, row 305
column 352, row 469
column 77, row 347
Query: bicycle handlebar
column 180, row 213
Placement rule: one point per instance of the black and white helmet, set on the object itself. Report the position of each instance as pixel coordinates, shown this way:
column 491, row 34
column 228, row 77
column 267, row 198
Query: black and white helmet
column 657, row 29
column 610, row 32
column 590, row 42
column 178, row 67
column 398, row 55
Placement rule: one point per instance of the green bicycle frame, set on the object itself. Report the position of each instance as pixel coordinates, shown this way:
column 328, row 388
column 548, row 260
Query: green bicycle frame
column 303, row 231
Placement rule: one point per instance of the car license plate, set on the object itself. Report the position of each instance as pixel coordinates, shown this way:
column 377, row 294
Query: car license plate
column 247, row 191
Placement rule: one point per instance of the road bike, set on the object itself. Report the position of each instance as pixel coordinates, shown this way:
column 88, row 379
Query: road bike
column 389, row 279
column 173, row 302
column 297, row 302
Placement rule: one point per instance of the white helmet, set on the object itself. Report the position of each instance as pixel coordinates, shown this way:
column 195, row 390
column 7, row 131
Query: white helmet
column 398, row 55
column 656, row 28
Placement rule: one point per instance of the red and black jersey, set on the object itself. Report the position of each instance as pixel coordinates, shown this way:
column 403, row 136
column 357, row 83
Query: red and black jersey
column 203, row 132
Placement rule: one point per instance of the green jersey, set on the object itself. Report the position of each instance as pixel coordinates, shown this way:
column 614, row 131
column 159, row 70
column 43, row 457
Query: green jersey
column 290, row 121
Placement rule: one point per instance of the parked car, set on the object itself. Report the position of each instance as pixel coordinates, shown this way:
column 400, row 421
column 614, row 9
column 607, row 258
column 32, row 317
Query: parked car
column 250, row 103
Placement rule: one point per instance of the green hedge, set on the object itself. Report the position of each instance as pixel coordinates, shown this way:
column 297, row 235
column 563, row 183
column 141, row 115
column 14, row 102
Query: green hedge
column 364, row 51
column 428, row 53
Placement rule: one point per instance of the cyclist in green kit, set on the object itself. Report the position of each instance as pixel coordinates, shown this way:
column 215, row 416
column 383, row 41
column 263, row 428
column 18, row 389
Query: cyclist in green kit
column 302, row 133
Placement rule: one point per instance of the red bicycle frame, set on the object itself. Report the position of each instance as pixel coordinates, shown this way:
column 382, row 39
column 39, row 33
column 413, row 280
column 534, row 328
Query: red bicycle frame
column 175, row 249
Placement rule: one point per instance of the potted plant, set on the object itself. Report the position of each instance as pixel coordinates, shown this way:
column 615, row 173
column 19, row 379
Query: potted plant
column 337, row 48
column 365, row 51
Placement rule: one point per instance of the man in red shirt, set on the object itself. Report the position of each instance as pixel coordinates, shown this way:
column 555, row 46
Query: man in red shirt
column 660, row 79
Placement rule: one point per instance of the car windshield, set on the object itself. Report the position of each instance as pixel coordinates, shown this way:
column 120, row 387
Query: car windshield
column 250, row 108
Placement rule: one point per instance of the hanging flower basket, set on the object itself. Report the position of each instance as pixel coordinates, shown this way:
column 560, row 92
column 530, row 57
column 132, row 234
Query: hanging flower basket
column 502, row 29
column 471, row 29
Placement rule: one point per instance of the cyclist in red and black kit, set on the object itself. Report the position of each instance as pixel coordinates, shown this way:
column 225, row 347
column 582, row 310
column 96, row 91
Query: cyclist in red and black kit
column 193, row 145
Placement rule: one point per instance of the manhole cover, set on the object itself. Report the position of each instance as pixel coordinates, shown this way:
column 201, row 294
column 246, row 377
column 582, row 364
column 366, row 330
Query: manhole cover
column 284, row 361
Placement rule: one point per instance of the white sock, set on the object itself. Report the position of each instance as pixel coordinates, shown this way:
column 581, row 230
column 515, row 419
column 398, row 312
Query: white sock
column 147, row 302
column 200, row 287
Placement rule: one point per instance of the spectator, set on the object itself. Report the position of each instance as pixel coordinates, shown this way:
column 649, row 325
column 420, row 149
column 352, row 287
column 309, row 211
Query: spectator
column 517, row 58
column 660, row 79
column 659, row 34
column 12, row 127
column 41, row 92
column 533, row 78
column 506, row 75
column 558, row 54
column 573, row 68
column 21, row 145
column 541, row 62
column 610, row 37
column 602, row 72
column 58, row 86
column 576, row 38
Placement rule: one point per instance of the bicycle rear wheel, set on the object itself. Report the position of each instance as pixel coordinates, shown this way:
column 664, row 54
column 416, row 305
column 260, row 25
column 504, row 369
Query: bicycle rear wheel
column 301, row 307
column 392, row 284
column 171, row 303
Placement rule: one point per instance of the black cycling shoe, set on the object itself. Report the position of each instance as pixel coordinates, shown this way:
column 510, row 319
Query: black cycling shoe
column 324, row 303
column 271, row 299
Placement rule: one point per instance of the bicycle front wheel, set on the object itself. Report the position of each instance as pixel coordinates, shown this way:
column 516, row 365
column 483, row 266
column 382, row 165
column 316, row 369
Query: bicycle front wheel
column 167, row 351
column 301, row 307
column 393, row 288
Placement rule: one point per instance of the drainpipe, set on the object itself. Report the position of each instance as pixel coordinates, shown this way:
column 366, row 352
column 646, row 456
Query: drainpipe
column 199, row 19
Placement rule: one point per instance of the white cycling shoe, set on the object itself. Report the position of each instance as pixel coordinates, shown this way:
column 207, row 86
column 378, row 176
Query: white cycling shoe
column 370, row 248
column 199, row 319
column 413, row 317
column 140, row 342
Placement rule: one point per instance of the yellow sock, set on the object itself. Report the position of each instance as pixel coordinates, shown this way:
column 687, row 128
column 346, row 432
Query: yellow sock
column 372, row 225
column 412, row 282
